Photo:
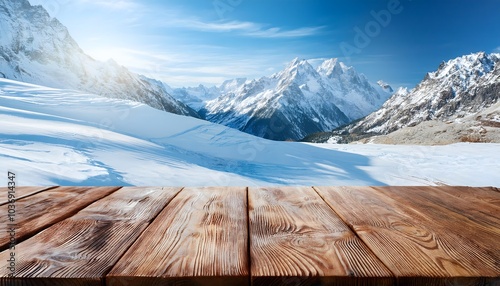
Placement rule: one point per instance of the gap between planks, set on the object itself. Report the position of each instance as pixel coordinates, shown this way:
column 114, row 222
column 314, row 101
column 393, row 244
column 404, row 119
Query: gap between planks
column 113, row 222
column 198, row 238
column 39, row 220
column 249, row 241
column 392, row 222
column 140, row 234
column 351, row 227
column 27, row 192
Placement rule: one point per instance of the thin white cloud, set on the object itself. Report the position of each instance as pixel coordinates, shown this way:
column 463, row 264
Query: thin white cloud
column 217, row 27
column 497, row 50
column 250, row 29
column 280, row 33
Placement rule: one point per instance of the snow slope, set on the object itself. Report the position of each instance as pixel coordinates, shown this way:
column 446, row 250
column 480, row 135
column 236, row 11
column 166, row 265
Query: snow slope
column 38, row 49
column 63, row 137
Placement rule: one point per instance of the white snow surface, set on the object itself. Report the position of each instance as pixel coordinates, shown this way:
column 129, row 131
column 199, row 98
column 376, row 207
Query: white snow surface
column 64, row 137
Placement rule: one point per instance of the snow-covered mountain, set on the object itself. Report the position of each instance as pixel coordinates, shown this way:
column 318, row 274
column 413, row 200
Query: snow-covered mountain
column 36, row 48
column 458, row 88
column 292, row 103
column 64, row 137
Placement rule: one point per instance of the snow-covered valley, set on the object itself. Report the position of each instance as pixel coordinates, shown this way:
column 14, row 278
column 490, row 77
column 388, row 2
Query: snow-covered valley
column 63, row 137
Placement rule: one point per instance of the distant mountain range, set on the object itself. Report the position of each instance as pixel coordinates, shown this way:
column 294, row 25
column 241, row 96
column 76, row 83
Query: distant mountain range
column 292, row 103
column 36, row 48
column 459, row 88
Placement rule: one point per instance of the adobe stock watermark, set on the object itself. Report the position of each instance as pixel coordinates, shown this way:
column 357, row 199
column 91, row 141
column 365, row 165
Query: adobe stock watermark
column 372, row 29
column 11, row 223
column 222, row 7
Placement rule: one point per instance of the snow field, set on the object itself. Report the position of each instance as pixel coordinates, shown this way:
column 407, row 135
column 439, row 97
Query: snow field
column 63, row 137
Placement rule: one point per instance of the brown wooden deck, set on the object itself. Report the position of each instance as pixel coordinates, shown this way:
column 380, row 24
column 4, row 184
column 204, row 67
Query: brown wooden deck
column 253, row 236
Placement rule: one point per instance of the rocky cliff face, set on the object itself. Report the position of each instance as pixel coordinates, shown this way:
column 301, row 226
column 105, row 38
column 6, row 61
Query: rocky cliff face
column 36, row 48
column 458, row 88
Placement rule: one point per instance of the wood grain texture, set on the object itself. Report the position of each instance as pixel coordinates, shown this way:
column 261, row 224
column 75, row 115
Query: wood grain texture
column 129, row 203
column 296, row 238
column 21, row 192
column 36, row 212
column 473, row 226
column 449, row 210
column 477, row 195
column 76, row 251
column 416, row 245
column 85, row 246
column 200, row 238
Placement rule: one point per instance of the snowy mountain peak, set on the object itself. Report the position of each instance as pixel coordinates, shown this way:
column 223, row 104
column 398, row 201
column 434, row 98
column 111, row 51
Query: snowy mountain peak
column 473, row 65
column 300, row 99
column 332, row 68
column 296, row 67
column 458, row 88
column 38, row 49
column 296, row 62
column 402, row 91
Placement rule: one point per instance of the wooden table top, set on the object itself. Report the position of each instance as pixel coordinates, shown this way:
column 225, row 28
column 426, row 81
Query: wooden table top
column 251, row 236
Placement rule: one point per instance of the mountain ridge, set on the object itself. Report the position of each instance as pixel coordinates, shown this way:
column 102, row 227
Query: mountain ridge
column 459, row 88
column 321, row 98
column 38, row 49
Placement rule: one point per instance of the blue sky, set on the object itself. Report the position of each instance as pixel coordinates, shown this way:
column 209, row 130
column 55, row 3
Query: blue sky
column 186, row 43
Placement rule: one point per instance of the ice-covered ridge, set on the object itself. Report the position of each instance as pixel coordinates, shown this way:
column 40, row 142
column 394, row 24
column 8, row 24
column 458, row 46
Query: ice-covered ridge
column 458, row 88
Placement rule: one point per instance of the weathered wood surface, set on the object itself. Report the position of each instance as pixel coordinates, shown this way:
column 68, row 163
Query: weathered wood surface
column 129, row 203
column 83, row 250
column 259, row 236
column 21, row 192
column 420, row 241
column 296, row 238
column 473, row 195
column 36, row 212
column 471, row 226
column 200, row 238
column 86, row 246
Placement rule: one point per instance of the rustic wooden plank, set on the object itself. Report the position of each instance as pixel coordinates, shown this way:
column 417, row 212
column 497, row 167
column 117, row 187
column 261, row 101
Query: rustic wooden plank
column 36, row 212
column 21, row 192
column 84, row 247
column 474, row 224
column 477, row 223
column 72, row 249
column 295, row 237
column 476, row 195
column 200, row 238
column 416, row 248
column 129, row 203
column 476, row 214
